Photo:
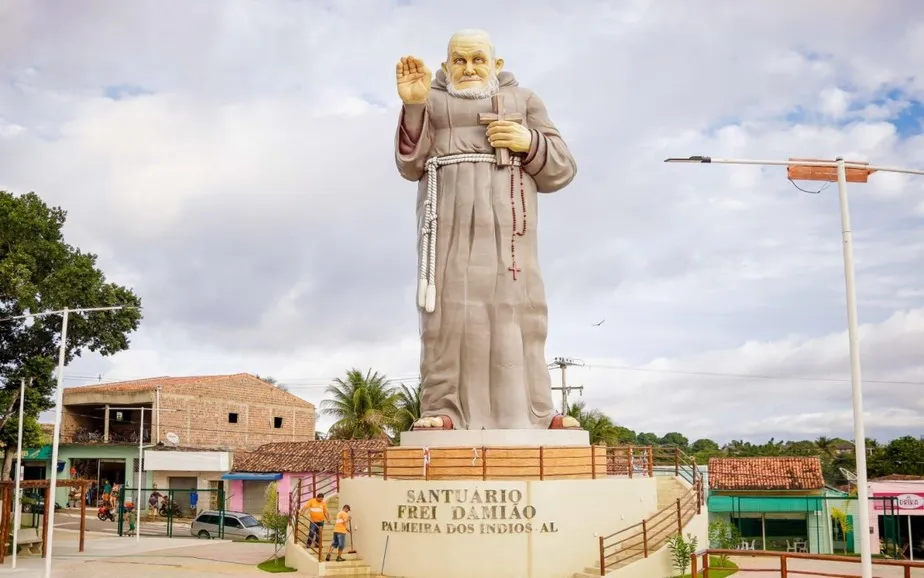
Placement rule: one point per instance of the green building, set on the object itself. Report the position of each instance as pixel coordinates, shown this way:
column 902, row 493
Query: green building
column 781, row 504
column 117, row 463
column 99, row 462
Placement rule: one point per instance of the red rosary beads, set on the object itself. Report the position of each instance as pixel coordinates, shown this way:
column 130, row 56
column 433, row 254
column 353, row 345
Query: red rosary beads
column 513, row 212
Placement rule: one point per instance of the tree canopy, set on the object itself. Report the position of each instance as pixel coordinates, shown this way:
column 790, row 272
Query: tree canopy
column 39, row 272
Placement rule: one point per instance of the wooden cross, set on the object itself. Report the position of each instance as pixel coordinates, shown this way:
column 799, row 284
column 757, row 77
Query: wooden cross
column 515, row 270
column 501, row 154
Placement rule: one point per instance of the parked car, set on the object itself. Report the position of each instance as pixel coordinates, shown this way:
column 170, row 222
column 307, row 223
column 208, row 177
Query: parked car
column 34, row 501
column 236, row 525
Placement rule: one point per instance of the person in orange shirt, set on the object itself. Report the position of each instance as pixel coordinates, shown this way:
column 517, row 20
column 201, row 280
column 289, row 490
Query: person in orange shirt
column 340, row 532
column 317, row 515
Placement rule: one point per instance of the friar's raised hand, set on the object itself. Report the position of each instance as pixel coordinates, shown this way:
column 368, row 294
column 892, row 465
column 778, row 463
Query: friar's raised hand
column 414, row 80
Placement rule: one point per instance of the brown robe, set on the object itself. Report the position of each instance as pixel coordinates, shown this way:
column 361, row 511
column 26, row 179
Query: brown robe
column 483, row 349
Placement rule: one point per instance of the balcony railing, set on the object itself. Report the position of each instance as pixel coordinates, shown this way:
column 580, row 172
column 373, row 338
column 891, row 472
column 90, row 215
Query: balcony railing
column 85, row 436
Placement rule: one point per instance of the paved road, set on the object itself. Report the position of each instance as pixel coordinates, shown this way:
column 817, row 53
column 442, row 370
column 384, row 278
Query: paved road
column 156, row 527
column 108, row 555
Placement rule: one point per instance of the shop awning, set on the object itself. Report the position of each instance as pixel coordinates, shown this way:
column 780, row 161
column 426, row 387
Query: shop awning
column 252, row 477
column 42, row 454
column 765, row 504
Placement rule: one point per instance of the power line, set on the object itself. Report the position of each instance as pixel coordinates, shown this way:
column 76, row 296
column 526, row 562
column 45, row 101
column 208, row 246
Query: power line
column 323, row 383
column 745, row 375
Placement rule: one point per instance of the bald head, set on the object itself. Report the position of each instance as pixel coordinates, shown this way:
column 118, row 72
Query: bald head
column 471, row 67
column 472, row 35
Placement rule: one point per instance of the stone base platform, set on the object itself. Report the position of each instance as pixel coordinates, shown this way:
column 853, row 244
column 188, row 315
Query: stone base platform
column 493, row 529
column 495, row 438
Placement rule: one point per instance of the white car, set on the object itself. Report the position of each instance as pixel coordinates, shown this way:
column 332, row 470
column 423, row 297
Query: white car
column 236, row 525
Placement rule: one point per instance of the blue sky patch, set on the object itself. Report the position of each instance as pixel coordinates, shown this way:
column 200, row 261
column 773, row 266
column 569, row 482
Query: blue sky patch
column 123, row 91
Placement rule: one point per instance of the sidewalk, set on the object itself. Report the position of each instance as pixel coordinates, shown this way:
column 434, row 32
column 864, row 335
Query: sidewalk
column 769, row 568
column 151, row 558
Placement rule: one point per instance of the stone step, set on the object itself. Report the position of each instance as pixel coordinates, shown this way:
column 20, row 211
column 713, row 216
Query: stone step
column 347, row 571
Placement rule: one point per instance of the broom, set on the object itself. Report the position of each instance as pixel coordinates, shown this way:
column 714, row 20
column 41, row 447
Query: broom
column 351, row 550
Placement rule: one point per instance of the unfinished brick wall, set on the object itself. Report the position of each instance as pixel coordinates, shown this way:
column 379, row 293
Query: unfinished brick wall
column 203, row 419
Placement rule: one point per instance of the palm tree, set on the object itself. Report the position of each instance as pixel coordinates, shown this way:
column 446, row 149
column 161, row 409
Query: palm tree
column 601, row 428
column 365, row 406
column 408, row 403
column 825, row 445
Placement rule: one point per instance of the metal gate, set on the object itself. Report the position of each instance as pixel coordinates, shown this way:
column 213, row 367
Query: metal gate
column 176, row 511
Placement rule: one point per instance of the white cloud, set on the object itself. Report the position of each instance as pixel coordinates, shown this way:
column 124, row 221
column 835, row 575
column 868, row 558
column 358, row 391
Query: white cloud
column 248, row 191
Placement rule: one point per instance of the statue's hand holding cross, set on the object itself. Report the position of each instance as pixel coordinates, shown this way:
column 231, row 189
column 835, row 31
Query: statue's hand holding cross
column 505, row 132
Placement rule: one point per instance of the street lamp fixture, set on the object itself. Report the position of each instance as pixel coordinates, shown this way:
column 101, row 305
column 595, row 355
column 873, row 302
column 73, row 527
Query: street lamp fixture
column 841, row 172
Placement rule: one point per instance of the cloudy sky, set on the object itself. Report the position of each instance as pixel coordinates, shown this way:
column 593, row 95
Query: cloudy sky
column 232, row 161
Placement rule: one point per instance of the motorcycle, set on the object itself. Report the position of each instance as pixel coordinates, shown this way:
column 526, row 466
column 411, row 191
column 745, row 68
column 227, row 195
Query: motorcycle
column 168, row 508
column 104, row 513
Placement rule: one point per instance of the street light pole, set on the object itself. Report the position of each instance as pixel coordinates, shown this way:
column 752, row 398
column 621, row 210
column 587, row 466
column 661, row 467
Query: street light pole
column 141, row 447
column 59, row 402
column 841, row 172
column 856, row 380
column 17, row 501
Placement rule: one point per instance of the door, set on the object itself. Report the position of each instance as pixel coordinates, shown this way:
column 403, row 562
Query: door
column 234, row 528
column 255, row 496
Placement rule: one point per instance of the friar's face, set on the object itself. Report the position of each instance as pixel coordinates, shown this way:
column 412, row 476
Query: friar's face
column 470, row 70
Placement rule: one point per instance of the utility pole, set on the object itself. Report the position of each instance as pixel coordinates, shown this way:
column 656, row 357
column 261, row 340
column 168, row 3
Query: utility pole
column 841, row 172
column 563, row 363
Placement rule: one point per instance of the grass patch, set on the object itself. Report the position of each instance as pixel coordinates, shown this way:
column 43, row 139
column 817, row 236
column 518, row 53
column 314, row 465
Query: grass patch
column 275, row 565
column 718, row 569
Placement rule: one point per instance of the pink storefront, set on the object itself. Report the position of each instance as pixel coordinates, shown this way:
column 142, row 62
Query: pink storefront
column 899, row 519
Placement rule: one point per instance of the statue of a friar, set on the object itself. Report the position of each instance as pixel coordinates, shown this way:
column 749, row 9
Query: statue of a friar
column 481, row 147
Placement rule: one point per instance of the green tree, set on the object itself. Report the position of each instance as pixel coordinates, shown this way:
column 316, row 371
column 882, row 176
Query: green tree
column 601, row 428
column 365, row 406
column 408, row 406
column 40, row 272
column 675, row 439
column 843, row 523
column 704, row 445
column 723, row 535
column 647, row 439
column 904, row 454
column 273, row 520
column 825, row 445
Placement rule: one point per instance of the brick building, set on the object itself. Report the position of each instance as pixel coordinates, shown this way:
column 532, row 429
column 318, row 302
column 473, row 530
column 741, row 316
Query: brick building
column 227, row 412
column 216, row 415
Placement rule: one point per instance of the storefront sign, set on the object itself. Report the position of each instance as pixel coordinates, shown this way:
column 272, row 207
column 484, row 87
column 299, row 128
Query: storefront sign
column 466, row 512
column 901, row 502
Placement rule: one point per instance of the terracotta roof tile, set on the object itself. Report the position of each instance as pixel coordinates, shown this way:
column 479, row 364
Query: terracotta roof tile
column 783, row 473
column 167, row 382
column 316, row 456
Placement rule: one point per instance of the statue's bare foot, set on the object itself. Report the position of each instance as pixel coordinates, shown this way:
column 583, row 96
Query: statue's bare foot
column 433, row 422
column 564, row 422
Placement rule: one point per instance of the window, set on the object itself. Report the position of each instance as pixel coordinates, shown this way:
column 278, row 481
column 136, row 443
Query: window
column 232, row 418
column 277, row 422
column 250, row 522
column 232, row 523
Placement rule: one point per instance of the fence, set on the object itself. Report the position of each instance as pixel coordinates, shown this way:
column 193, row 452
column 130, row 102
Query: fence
column 642, row 539
column 788, row 562
column 305, row 489
column 174, row 505
column 502, row 463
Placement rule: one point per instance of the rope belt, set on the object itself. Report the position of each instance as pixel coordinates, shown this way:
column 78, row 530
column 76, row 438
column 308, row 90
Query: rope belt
column 426, row 284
